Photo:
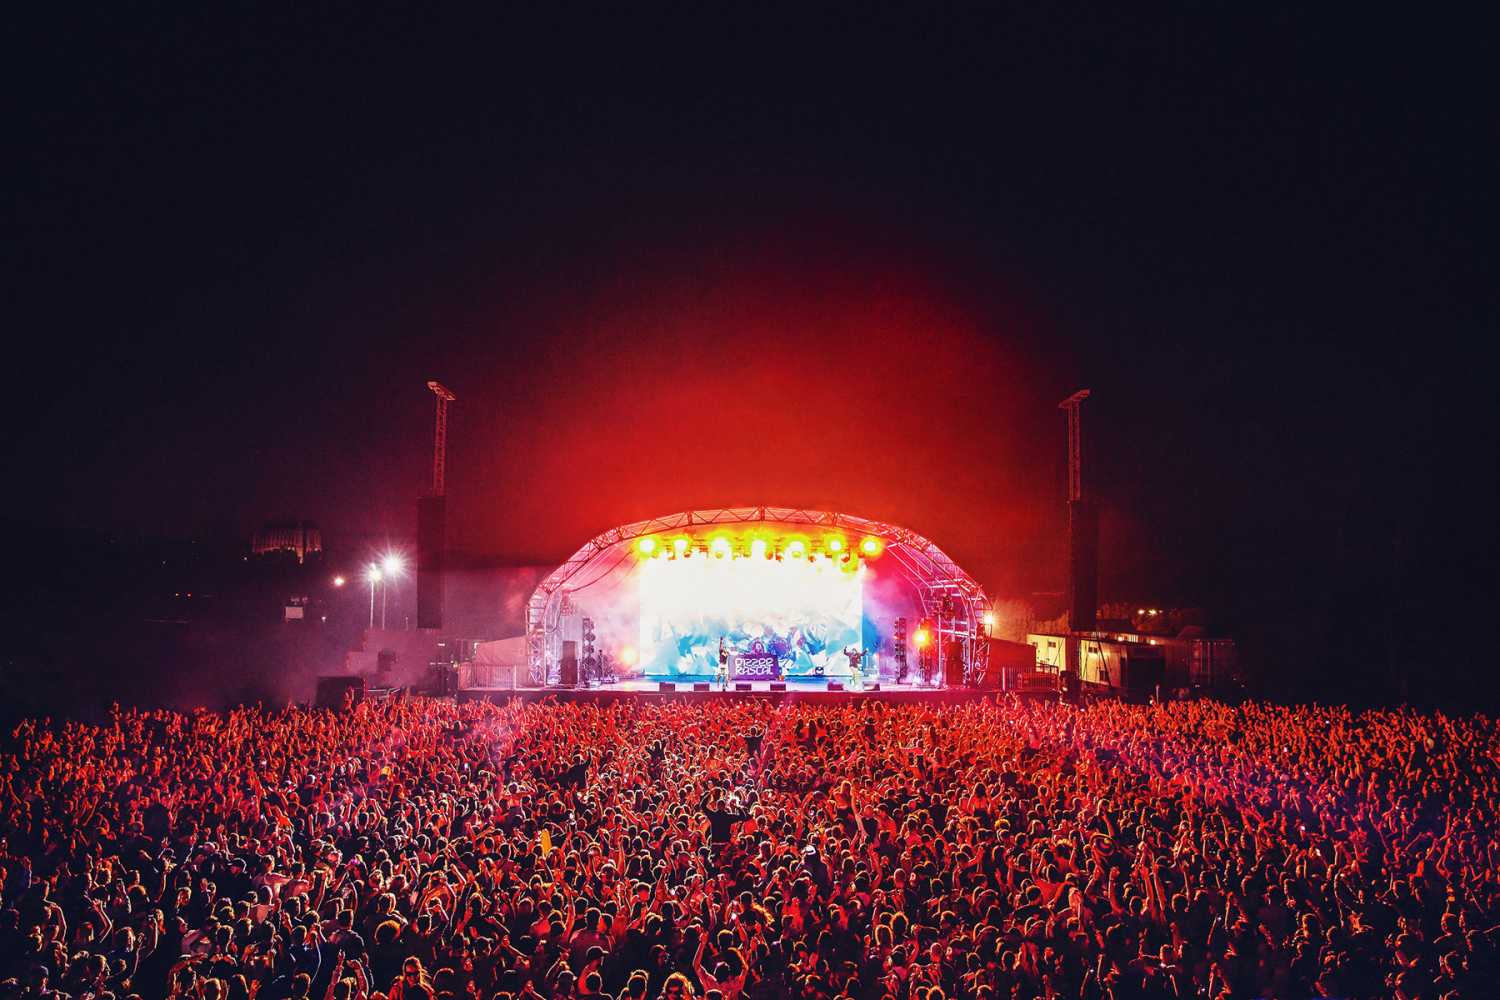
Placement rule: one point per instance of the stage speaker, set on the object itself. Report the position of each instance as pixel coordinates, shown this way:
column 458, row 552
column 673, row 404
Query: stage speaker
column 432, row 547
column 954, row 667
column 567, row 672
column 1083, row 564
column 778, row 685
column 872, row 687
column 665, row 686
column 330, row 692
column 835, row 685
column 743, row 686
column 701, row 686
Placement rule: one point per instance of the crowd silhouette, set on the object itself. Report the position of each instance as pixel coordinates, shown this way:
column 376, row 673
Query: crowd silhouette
column 419, row 848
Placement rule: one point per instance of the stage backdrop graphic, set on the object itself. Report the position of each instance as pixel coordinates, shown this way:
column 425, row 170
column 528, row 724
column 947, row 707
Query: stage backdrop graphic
column 803, row 612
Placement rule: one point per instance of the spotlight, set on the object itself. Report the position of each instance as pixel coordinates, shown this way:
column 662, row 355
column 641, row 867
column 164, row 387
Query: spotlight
column 920, row 637
column 646, row 546
column 720, row 547
column 989, row 619
column 833, row 543
column 393, row 565
column 338, row 581
column 680, row 546
column 758, row 548
column 628, row 656
column 871, row 546
column 373, row 574
column 796, row 548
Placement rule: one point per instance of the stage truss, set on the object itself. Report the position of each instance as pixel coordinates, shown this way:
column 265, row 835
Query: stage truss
column 949, row 597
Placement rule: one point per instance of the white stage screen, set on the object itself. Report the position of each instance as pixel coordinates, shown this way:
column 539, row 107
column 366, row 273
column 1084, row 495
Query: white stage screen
column 803, row 611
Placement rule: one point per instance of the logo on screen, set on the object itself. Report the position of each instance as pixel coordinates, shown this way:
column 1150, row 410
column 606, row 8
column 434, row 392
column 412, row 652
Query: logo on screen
column 756, row 667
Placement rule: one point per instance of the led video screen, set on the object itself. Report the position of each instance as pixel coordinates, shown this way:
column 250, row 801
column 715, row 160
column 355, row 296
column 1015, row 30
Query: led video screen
column 804, row 612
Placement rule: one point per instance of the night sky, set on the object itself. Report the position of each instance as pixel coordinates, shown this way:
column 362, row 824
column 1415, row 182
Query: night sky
column 672, row 260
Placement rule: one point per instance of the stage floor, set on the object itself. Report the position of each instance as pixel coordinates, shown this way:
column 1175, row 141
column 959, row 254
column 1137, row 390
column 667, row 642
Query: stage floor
column 809, row 690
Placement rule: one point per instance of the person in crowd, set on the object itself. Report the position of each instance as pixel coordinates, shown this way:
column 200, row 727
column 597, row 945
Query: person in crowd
column 416, row 848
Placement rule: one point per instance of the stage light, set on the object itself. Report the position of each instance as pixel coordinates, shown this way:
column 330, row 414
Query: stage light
column 681, row 545
column 796, row 548
column 646, row 546
column 720, row 547
column 871, row 546
column 373, row 574
column 834, row 544
column 393, row 565
column 338, row 581
column 989, row 619
column 920, row 637
column 628, row 656
column 758, row 548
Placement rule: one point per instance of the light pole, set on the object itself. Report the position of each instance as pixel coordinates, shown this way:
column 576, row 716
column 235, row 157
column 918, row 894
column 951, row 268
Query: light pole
column 373, row 575
column 392, row 566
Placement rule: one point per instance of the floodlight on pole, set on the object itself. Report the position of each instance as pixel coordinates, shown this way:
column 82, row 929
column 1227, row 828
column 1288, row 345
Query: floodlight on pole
column 373, row 575
column 393, row 566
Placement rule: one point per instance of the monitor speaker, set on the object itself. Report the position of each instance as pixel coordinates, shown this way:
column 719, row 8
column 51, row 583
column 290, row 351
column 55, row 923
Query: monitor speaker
column 701, row 686
column 743, row 686
column 835, row 685
column 666, row 686
column 778, row 685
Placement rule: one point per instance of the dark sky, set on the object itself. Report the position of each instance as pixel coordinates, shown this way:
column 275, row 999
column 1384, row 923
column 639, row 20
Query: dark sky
column 671, row 260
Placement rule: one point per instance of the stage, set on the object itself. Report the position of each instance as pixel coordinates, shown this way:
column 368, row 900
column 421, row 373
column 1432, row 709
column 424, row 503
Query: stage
column 801, row 690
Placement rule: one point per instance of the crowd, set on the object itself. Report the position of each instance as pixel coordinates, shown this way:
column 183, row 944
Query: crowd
column 419, row 848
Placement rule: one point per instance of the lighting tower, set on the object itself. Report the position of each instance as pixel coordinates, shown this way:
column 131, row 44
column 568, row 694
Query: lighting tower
column 440, row 436
column 432, row 522
column 1083, row 529
column 1075, row 442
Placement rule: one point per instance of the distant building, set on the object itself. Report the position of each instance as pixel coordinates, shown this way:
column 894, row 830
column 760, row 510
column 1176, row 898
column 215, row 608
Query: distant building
column 300, row 537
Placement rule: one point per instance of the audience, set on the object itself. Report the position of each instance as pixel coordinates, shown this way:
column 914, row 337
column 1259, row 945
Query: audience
column 738, row 849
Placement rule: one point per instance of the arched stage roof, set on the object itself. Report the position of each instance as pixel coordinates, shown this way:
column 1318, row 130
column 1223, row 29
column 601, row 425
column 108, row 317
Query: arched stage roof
column 946, row 592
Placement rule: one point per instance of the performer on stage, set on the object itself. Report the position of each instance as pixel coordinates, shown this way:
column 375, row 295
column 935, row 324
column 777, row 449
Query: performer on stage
column 721, row 675
column 856, row 677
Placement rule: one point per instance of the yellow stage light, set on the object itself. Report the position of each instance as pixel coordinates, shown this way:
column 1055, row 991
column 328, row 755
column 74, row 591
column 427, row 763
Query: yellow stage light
column 758, row 548
column 628, row 656
column 680, row 545
column 720, row 546
column 833, row 543
column 920, row 637
column 796, row 548
column 646, row 546
column 871, row 546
